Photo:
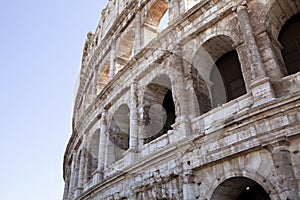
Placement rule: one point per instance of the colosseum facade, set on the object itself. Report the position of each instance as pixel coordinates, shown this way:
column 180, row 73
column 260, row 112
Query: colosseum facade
column 188, row 99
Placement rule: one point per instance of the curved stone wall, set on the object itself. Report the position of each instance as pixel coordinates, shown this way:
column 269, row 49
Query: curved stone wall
column 152, row 117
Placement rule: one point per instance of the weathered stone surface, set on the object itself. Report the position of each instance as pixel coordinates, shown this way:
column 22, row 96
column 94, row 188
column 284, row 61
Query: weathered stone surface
column 152, row 118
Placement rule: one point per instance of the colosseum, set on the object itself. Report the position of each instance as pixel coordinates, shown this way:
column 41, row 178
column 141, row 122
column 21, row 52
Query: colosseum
column 188, row 99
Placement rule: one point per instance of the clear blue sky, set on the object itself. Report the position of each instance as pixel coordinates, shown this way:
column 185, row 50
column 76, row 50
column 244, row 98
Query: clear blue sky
column 41, row 47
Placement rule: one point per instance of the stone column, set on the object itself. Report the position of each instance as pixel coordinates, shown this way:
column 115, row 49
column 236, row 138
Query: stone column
column 138, row 33
column 274, row 61
column 260, row 84
column 112, row 59
column 133, row 141
column 257, row 69
column 102, row 144
column 72, row 176
column 95, row 81
column 79, row 187
column 180, row 95
column 287, row 182
column 131, row 154
column 188, row 185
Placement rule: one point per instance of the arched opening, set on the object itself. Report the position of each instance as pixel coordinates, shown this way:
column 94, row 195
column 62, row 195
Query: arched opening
column 230, row 69
column 92, row 154
column 277, row 14
column 289, row 38
column 124, row 50
column 119, row 130
column 156, row 20
column 159, row 109
column 226, row 78
column 103, row 77
column 240, row 188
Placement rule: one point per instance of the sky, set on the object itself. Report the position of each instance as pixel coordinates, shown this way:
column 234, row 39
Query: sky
column 40, row 55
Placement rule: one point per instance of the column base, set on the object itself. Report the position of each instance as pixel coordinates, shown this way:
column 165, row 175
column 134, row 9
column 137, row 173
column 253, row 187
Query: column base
column 130, row 156
column 77, row 192
column 97, row 177
column 262, row 91
column 183, row 127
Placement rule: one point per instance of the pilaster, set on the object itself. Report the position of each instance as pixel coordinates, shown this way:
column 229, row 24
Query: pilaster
column 260, row 85
column 95, row 81
column 112, row 59
column 288, row 186
column 79, row 187
column 131, row 154
column 72, row 177
column 98, row 176
column 188, row 185
column 180, row 95
column 138, row 33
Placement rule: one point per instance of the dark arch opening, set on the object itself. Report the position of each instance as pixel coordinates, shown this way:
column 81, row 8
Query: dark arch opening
column 169, row 106
column 159, row 109
column 289, row 38
column 255, row 192
column 240, row 188
column 229, row 68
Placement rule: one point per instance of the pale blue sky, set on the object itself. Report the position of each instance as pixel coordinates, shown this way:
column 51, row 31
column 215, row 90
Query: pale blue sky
column 41, row 47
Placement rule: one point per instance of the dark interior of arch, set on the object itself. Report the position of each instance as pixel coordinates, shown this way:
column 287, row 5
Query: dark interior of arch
column 289, row 38
column 240, row 188
column 230, row 69
column 168, row 105
column 255, row 192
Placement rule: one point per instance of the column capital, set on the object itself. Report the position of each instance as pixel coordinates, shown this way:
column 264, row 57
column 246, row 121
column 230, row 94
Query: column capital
column 281, row 145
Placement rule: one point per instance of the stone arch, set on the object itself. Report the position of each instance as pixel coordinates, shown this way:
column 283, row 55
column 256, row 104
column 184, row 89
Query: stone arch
column 118, row 134
column 273, row 17
column 255, row 166
column 222, row 65
column 238, row 188
column 103, row 76
column 266, row 182
column 155, row 16
column 124, row 49
column 201, row 58
column 92, row 154
column 158, row 108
